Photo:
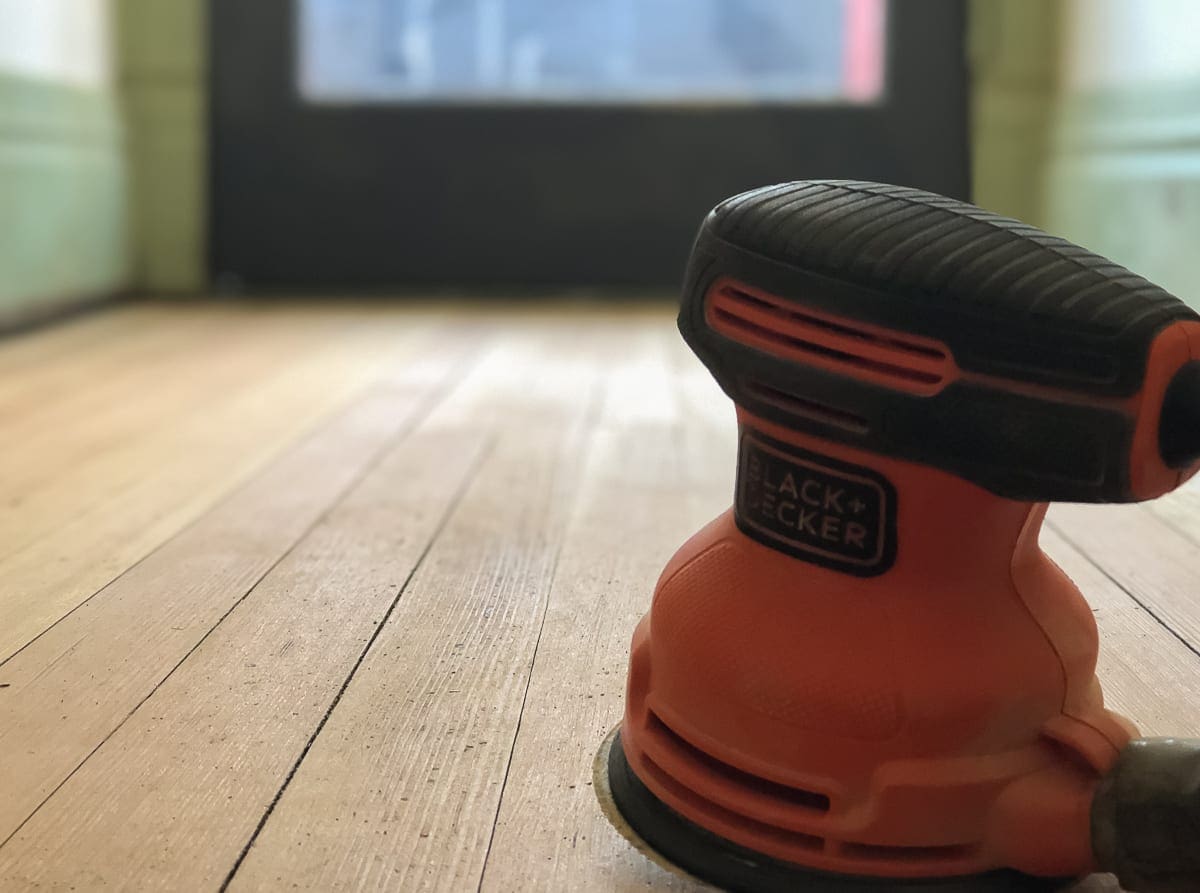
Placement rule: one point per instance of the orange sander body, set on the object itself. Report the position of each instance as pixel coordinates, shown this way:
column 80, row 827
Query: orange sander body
column 867, row 671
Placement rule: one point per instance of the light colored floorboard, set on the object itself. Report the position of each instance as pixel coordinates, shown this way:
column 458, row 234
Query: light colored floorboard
column 1148, row 674
column 171, row 798
column 1148, row 557
column 210, row 510
column 1181, row 509
column 649, row 483
column 47, row 361
column 642, row 500
column 97, row 664
column 401, row 789
column 60, row 437
column 80, row 440
column 133, row 499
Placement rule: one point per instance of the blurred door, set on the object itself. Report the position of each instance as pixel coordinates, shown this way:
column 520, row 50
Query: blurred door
column 390, row 142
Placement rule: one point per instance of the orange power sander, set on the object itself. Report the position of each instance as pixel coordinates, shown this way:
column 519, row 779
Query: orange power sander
column 867, row 675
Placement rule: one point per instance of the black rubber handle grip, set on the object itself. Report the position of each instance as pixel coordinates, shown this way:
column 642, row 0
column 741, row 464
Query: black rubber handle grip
column 1049, row 336
column 1146, row 817
column 1179, row 424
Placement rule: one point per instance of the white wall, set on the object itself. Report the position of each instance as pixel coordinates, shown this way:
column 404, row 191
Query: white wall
column 1130, row 42
column 59, row 40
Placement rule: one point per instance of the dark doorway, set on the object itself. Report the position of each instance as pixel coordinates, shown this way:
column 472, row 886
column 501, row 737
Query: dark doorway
column 384, row 143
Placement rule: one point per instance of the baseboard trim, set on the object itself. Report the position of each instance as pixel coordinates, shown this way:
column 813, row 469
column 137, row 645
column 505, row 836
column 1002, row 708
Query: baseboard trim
column 16, row 321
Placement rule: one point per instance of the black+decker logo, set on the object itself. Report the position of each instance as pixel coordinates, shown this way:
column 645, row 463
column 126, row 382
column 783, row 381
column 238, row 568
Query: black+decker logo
column 816, row 508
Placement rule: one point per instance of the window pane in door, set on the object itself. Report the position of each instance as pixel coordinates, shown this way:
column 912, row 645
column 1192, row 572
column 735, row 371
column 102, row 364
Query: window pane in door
column 681, row 51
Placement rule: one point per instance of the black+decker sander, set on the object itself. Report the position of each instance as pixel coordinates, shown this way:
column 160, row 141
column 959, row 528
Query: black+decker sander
column 867, row 675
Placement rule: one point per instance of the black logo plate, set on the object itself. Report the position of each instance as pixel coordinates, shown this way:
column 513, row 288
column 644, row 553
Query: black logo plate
column 828, row 512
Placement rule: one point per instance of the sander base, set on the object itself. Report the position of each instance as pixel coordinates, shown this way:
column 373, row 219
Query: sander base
column 679, row 844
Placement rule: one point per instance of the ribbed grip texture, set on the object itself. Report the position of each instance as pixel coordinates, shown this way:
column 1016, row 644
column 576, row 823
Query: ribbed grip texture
column 1037, row 343
column 938, row 251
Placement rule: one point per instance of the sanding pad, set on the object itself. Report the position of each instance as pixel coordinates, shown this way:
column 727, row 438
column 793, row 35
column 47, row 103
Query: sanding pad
column 680, row 845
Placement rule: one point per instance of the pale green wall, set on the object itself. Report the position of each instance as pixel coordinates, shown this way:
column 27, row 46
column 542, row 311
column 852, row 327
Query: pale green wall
column 1124, row 159
column 1013, row 48
column 63, row 222
column 102, row 178
column 162, row 64
column 1087, row 123
column 1072, row 131
column 1124, row 179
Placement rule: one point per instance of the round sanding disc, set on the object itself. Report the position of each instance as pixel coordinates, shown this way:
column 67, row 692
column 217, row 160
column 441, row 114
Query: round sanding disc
column 678, row 844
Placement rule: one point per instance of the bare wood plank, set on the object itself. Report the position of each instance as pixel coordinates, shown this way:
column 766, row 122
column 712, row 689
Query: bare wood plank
column 277, row 360
column 642, row 500
column 169, row 799
column 75, row 684
column 701, row 399
column 56, row 375
column 640, row 388
column 149, row 491
column 57, row 401
column 60, row 434
column 656, row 474
column 1181, row 509
column 28, row 357
column 1147, row 672
column 401, row 788
column 184, row 834
column 1153, row 561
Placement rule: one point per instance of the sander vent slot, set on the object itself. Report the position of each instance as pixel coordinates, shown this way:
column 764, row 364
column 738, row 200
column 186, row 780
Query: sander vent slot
column 923, row 854
column 682, row 751
column 803, row 408
column 796, row 840
column 786, row 330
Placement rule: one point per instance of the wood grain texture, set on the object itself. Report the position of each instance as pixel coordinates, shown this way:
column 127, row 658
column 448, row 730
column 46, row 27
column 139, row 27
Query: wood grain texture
column 401, row 788
column 639, row 503
column 45, row 360
column 1148, row 674
column 62, row 424
column 648, row 484
column 171, row 797
column 1143, row 554
column 197, row 365
column 1181, row 509
column 213, row 669
column 99, row 663
column 97, row 518
column 64, row 208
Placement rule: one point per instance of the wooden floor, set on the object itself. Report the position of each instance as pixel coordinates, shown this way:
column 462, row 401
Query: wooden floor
column 339, row 597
